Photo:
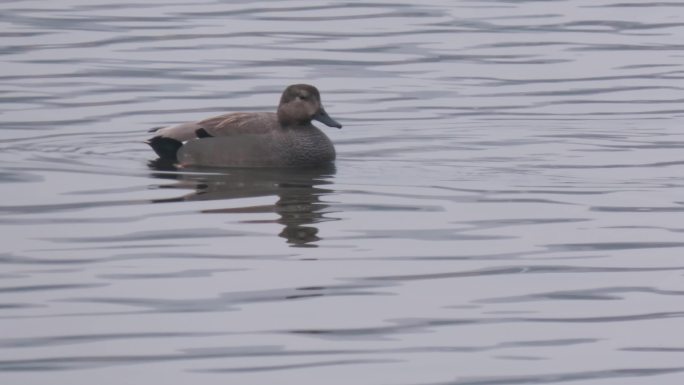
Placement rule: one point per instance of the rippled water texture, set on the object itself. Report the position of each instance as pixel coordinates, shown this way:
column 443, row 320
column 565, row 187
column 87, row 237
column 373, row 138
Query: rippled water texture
column 507, row 206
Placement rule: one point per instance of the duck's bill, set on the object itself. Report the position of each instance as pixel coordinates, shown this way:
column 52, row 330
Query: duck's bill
column 324, row 118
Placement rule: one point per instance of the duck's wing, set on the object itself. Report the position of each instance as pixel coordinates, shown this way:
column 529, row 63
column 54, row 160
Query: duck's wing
column 222, row 125
column 237, row 123
column 168, row 140
column 180, row 132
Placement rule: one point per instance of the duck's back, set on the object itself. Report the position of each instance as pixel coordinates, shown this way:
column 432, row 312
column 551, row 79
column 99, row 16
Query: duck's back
column 276, row 147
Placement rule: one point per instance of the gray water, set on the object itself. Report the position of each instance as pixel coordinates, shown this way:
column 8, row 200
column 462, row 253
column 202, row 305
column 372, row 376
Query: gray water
column 507, row 206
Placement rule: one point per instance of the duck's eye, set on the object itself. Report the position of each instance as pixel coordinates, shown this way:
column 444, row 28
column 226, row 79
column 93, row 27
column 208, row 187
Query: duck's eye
column 302, row 97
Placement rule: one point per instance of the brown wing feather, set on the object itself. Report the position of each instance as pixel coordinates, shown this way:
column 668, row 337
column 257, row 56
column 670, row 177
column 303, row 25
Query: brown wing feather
column 240, row 123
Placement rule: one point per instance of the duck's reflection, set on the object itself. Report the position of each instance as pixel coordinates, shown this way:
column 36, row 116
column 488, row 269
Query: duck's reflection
column 299, row 207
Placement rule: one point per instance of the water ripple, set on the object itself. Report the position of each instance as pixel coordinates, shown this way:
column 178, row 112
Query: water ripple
column 506, row 194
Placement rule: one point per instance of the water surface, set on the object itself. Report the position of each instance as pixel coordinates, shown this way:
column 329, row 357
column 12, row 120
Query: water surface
column 506, row 207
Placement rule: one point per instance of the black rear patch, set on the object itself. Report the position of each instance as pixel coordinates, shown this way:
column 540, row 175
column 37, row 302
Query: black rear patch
column 202, row 133
column 166, row 148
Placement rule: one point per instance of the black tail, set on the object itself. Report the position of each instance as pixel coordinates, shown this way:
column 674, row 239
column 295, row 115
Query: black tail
column 166, row 148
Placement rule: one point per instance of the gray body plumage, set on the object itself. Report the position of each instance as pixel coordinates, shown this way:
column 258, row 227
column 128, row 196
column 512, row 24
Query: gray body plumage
column 275, row 147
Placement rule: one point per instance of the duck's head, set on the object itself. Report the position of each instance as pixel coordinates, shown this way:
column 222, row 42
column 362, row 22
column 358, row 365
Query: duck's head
column 300, row 104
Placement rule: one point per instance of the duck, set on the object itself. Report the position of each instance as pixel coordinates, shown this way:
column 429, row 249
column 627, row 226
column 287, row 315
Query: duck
column 285, row 138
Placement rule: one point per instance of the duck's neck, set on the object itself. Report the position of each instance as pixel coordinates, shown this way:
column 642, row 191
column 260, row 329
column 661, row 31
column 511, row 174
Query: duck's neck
column 290, row 121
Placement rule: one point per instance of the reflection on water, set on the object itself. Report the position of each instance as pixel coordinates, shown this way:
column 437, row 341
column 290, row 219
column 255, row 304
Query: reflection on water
column 299, row 205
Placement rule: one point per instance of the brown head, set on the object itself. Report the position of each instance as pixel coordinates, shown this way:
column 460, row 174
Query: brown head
column 300, row 104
